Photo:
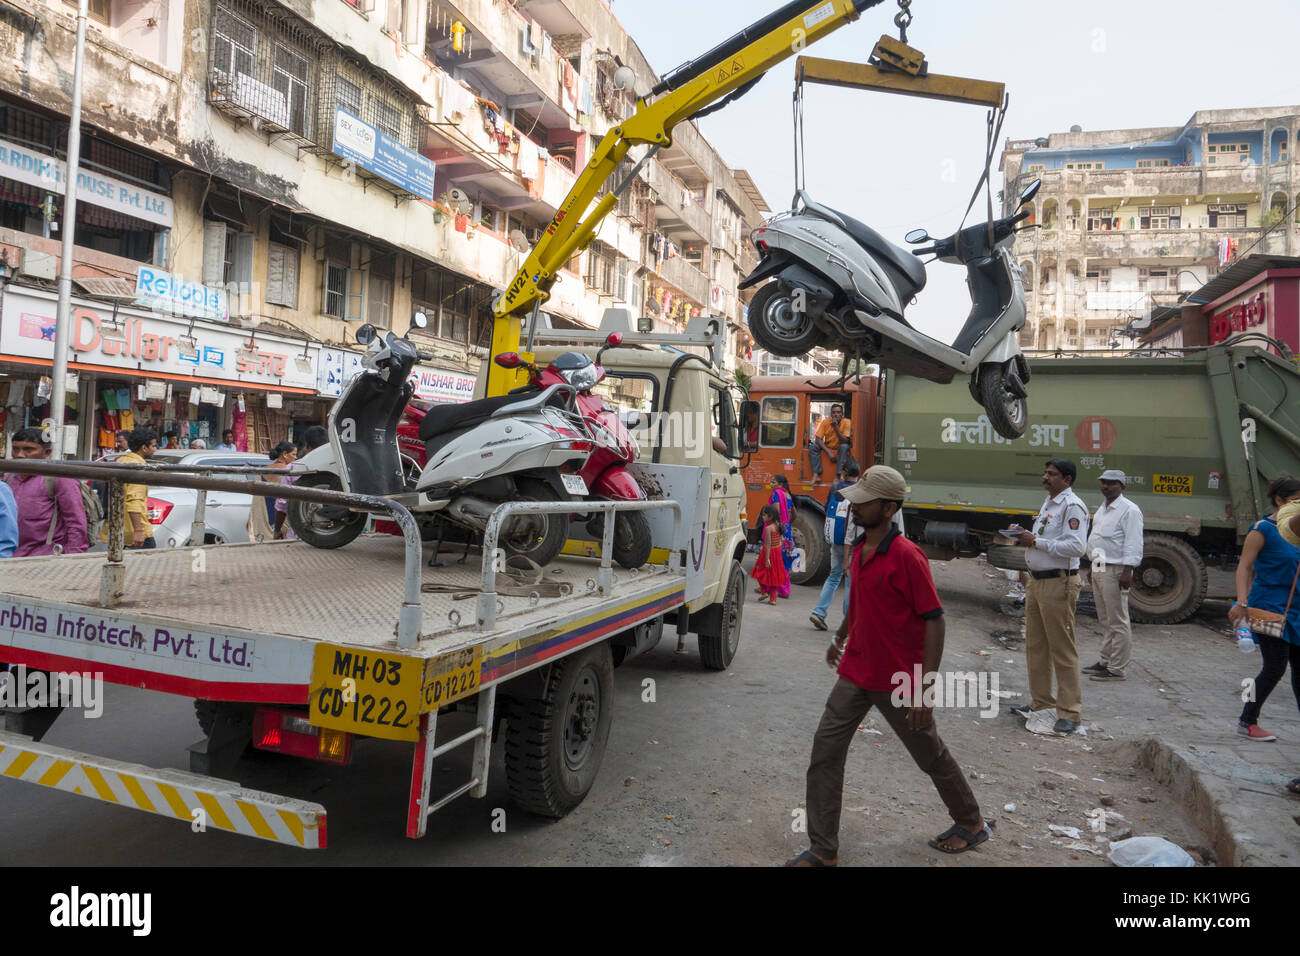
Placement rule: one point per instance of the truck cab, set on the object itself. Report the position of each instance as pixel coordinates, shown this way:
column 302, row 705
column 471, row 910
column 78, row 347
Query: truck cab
column 781, row 418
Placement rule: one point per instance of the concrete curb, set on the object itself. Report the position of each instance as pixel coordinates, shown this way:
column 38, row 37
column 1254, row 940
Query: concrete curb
column 1243, row 824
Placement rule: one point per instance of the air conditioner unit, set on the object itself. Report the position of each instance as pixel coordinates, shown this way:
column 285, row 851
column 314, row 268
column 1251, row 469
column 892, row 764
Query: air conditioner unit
column 262, row 100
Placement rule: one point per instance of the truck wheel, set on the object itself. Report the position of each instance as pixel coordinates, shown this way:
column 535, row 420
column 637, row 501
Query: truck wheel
column 322, row 526
column 809, row 533
column 778, row 326
column 1169, row 585
column 718, row 650
column 554, row 744
column 539, row 537
column 1008, row 413
column 1007, row 556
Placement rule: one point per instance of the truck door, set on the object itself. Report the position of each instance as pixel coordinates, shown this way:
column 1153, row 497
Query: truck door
column 726, row 487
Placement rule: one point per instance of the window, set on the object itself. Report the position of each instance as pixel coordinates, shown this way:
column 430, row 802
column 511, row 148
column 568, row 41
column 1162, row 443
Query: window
column 227, row 256
column 344, row 292
column 282, row 275
column 347, row 95
column 724, row 420
column 1228, row 153
column 1160, row 217
column 379, row 303
column 1227, row 216
column 1150, row 163
column 234, row 46
column 777, row 422
column 1097, row 280
column 254, row 73
column 98, row 10
column 1085, row 166
column 388, row 118
column 1035, row 167
column 291, row 78
column 1102, row 219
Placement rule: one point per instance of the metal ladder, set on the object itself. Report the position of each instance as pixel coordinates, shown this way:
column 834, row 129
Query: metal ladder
column 425, row 751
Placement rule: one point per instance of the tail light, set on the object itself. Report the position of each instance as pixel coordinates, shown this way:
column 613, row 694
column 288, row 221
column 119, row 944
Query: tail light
column 290, row 732
column 158, row 510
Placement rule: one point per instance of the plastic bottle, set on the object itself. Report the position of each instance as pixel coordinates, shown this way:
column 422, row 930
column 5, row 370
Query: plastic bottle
column 1245, row 638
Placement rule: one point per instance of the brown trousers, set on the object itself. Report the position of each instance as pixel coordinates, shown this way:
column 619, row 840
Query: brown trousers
column 846, row 707
column 1049, row 645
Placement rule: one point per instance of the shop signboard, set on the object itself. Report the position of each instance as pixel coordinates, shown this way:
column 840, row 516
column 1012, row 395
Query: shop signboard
column 374, row 150
column 146, row 343
column 50, row 173
column 442, row 385
column 169, row 294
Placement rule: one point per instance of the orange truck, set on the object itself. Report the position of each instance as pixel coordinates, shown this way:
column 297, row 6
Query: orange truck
column 787, row 408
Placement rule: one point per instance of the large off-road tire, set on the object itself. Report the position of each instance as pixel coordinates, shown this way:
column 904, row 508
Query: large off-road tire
column 809, row 533
column 1169, row 585
column 778, row 327
column 1008, row 413
column 539, row 537
column 632, row 543
column 322, row 526
column 1010, row 557
column 554, row 744
column 718, row 648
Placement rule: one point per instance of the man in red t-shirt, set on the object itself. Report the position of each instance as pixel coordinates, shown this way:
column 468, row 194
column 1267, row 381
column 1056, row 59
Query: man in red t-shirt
column 894, row 630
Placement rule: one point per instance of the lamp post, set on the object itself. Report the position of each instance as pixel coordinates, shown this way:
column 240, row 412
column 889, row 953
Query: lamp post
column 62, row 320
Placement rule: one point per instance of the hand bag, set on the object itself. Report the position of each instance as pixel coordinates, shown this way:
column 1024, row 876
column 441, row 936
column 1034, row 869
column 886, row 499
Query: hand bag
column 1270, row 623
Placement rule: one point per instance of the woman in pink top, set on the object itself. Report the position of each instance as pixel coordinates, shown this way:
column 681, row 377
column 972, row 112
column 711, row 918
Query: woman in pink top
column 50, row 511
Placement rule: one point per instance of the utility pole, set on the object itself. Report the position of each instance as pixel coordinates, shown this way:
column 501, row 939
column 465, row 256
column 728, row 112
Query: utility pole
column 63, row 317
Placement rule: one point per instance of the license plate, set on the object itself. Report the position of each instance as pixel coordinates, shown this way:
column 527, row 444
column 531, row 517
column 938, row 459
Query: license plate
column 450, row 677
column 574, row 484
column 365, row 692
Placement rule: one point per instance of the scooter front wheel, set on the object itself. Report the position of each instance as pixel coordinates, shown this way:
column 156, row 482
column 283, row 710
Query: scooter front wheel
column 778, row 326
column 323, row 526
column 1008, row 412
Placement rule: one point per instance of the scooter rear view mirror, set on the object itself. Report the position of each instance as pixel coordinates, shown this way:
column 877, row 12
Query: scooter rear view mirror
column 366, row 334
column 1030, row 191
column 508, row 360
column 917, row 236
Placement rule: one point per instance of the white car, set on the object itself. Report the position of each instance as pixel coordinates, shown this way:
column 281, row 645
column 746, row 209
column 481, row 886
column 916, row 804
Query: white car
column 171, row 510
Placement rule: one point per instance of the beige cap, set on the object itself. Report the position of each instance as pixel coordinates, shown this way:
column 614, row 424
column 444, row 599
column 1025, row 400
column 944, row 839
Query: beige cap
column 880, row 481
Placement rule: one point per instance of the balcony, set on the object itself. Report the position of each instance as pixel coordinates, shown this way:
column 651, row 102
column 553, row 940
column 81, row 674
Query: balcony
column 1138, row 244
column 676, row 209
column 679, row 273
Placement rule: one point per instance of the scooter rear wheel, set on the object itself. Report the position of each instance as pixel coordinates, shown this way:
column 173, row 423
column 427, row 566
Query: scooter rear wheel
column 323, row 526
column 778, row 326
column 1008, row 412
column 539, row 537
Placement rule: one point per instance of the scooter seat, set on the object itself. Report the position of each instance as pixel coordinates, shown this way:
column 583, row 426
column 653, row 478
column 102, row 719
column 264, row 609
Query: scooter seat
column 905, row 269
column 446, row 418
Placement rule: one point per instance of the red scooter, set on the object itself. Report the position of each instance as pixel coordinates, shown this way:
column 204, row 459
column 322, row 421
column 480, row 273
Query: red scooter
column 605, row 473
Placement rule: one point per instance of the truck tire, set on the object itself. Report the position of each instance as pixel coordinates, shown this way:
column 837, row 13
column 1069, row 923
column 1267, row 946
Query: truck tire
column 809, row 533
column 717, row 650
column 322, row 526
column 1169, row 585
column 1008, row 556
column 554, row 743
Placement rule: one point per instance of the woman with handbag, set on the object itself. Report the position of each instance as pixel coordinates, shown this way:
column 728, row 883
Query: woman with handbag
column 1267, row 575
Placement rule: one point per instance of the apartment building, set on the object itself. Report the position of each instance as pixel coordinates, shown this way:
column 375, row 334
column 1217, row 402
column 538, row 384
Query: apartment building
column 1133, row 219
column 257, row 179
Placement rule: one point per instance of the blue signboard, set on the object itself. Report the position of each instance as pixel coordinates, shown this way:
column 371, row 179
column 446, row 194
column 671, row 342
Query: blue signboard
column 378, row 152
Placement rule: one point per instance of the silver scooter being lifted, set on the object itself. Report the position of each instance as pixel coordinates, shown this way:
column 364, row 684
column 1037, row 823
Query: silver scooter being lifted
column 524, row 446
column 839, row 284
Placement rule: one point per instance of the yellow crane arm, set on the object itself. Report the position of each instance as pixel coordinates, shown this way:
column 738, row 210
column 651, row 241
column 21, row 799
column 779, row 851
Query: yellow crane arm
column 680, row 95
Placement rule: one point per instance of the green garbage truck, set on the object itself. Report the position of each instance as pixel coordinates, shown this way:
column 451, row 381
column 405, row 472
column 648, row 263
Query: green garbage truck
column 1199, row 434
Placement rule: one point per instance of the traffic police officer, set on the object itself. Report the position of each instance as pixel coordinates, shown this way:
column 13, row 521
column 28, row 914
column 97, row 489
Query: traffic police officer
column 1056, row 544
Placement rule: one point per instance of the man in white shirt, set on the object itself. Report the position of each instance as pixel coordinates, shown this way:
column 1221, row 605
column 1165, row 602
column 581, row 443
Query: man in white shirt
column 227, row 441
column 1055, row 546
column 1115, row 550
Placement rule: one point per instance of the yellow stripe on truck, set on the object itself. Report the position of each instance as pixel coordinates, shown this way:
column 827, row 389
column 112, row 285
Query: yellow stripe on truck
column 190, row 798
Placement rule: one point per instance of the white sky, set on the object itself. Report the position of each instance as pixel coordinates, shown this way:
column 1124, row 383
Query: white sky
column 899, row 162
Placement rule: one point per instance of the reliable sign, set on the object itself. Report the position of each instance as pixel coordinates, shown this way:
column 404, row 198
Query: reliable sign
column 37, row 169
column 378, row 152
column 163, row 292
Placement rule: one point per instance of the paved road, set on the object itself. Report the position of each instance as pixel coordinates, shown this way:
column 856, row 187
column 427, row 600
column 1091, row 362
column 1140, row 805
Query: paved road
column 709, row 772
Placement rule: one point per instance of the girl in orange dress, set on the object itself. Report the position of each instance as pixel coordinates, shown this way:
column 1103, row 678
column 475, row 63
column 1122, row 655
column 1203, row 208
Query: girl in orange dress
column 769, row 570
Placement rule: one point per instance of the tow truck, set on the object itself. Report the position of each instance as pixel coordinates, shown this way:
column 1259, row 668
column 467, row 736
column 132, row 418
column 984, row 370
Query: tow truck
column 308, row 653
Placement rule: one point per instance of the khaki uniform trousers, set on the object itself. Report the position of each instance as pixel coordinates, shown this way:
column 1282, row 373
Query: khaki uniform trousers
column 1049, row 645
column 1112, row 612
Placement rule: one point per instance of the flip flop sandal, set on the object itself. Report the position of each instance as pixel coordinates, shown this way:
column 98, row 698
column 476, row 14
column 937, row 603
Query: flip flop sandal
column 1294, row 787
column 972, row 839
column 807, row 858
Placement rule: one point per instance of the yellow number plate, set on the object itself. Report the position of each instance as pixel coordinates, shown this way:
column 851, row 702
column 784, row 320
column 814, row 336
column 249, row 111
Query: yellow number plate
column 1171, row 484
column 451, row 677
column 365, row 692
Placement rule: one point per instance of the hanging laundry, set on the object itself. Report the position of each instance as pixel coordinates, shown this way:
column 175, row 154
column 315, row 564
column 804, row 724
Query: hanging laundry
column 585, row 104
column 526, row 43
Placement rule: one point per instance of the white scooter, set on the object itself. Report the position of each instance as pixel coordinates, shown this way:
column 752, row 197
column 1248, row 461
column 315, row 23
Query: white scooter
column 839, row 284
column 526, row 446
